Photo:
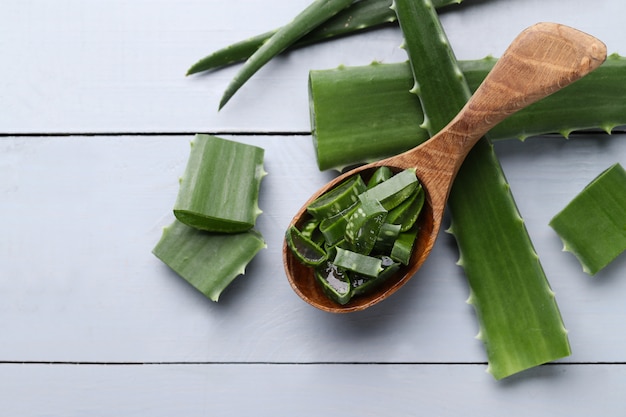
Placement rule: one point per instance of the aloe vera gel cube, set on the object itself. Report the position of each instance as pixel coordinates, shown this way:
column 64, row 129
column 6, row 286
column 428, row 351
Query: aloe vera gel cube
column 219, row 190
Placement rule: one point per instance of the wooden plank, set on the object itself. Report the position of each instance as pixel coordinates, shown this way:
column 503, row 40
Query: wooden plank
column 118, row 66
column 307, row 390
column 80, row 216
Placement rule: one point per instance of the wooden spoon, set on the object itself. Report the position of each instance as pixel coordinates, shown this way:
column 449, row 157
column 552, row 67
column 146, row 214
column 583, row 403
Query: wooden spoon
column 541, row 60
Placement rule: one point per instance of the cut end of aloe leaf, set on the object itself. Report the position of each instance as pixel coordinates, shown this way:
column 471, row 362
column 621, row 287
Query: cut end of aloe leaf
column 208, row 261
column 593, row 225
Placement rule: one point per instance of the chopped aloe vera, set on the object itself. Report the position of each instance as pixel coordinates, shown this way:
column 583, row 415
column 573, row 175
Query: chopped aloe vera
column 520, row 323
column 386, row 238
column 356, row 262
column 381, row 174
column 364, row 225
column 407, row 213
column 393, row 191
column 337, row 199
column 593, row 225
column 334, row 228
column 208, row 261
column 335, row 282
column 307, row 251
column 403, row 246
column 219, row 190
column 362, row 284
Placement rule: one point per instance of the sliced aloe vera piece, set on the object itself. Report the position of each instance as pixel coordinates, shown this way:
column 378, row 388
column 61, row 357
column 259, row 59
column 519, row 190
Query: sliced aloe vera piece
column 381, row 174
column 403, row 246
column 208, row 261
column 406, row 214
column 219, row 190
column 364, row 225
column 362, row 284
column 393, row 191
column 307, row 251
column 386, row 238
column 593, row 225
column 335, row 282
column 334, row 228
column 356, row 262
column 337, row 199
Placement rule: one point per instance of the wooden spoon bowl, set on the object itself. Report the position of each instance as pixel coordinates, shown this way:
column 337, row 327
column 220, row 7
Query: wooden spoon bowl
column 541, row 60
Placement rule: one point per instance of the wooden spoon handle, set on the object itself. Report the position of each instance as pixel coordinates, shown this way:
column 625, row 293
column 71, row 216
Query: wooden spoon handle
column 542, row 59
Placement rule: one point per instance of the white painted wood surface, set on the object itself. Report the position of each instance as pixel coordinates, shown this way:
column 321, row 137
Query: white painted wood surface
column 92, row 324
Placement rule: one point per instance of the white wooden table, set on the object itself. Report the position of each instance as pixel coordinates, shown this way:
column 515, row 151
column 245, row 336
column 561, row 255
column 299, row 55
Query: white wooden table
column 96, row 118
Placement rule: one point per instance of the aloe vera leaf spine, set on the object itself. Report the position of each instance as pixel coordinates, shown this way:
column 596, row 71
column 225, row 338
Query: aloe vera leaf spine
column 353, row 107
column 311, row 17
column 359, row 16
column 520, row 323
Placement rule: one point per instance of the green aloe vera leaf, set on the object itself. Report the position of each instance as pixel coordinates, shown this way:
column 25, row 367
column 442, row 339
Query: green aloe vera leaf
column 520, row 323
column 359, row 16
column 337, row 199
column 406, row 214
column 314, row 15
column 386, row 237
column 381, row 174
column 333, row 228
column 362, row 284
column 307, row 251
column 335, row 282
column 208, row 261
column 593, row 225
column 359, row 263
column 219, row 190
column 364, row 225
column 354, row 107
column 403, row 246
column 393, row 191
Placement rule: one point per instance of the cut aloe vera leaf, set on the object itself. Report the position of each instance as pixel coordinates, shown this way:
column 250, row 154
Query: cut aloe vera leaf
column 381, row 174
column 333, row 228
column 208, row 261
column 386, row 238
column 593, row 225
column 335, row 282
column 357, row 17
column 311, row 17
column 337, row 199
column 353, row 107
column 362, row 284
column 403, row 246
column 358, row 263
column 219, row 190
column 364, row 225
column 307, row 251
column 520, row 323
column 393, row 191
column 407, row 213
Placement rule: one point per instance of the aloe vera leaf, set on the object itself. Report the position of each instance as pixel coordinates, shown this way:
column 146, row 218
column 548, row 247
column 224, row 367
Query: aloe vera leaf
column 359, row 263
column 593, row 225
column 208, row 261
column 359, row 16
column 520, row 323
column 219, row 190
column 337, row 199
column 314, row 15
column 335, row 282
column 364, row 225
column 307, row 251
column 353, row 107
